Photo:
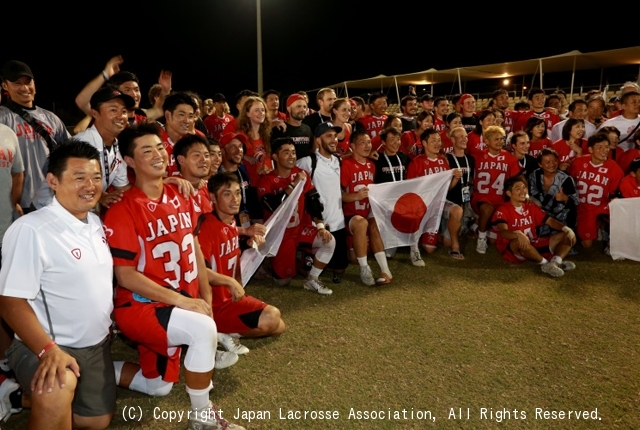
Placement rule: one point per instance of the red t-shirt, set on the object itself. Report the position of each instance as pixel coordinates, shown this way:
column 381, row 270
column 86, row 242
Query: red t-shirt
column 535, row 148
column 595, row 184
column 525, row 219
column 491, row 173
column 218, row 126
column 373, row 124
column 475, row 145
column 354, row 176
column 423, row 166
column 629, row 187
column 411, row 144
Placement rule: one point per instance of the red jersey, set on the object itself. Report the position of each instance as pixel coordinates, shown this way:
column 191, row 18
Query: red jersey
column 535, row 148
column 525, row 219
column 565, row 153
column 629, row 187
column 423, row 166
column 447, row 145
column 257, row 153
column 510, row 118
column 624, row 160
column 172, row 165
column 439, row 124
column 491, row 173
column 156, row 237
column 550, row 119
column 203, row 200
column 355, row 175
column 218, row 126
column 271, row 183
column 475, row 145
column 595, row 184
column 411, row 144
column 344, row 145
column 221, row 250
column 372, row 124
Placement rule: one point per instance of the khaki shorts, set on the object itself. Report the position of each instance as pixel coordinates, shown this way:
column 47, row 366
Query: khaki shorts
column 96, row 390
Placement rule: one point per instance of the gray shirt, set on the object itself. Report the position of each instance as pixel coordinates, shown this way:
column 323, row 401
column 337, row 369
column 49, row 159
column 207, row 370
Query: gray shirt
column 10, row 163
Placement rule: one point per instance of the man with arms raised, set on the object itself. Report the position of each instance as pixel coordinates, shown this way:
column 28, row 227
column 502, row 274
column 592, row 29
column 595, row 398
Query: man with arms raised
column 163, row 289
column 276, row 186
column 56, row 294
column 356, row 174
column 517, row 222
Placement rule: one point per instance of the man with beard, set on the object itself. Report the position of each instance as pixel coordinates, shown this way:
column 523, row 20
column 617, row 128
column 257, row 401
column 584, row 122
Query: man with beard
column 409, row 106
column 325, row 99
column 299, row 133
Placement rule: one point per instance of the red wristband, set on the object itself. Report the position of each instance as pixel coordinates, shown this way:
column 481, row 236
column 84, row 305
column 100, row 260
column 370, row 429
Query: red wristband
column 46, row 348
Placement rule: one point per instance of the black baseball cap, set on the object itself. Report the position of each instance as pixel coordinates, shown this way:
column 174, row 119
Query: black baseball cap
column 105, row 94
column 12, row 70
column 218, row 97
column 323, row 127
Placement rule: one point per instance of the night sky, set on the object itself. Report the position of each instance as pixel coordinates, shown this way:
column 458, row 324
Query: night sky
column 210, row 46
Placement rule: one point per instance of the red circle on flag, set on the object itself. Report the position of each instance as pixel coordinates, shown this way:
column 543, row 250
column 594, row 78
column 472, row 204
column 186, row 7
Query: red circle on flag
column 408, row 213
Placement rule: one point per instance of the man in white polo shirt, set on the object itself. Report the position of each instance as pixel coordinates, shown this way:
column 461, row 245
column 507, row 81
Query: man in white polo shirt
column 56, row 294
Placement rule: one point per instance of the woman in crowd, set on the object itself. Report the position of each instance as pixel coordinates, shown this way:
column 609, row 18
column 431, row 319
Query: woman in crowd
column 340, row 115
column 536, row 129
column 570, row 146
column 452, row 120
column 252, row 123
column 476, row 145
column 411, row 143
column 393, row 121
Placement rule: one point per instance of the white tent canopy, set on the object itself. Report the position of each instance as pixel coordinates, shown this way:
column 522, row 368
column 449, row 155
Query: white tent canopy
column 570, row 61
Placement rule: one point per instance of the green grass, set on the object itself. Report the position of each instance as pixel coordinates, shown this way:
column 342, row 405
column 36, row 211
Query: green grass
column 479, row 333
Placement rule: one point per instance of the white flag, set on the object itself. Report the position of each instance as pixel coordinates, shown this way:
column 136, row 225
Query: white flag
column 406, row 209
column 275, row 225
column 625, row 228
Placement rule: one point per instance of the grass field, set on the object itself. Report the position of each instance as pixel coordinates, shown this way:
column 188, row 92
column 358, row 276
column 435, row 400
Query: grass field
column 475, row 334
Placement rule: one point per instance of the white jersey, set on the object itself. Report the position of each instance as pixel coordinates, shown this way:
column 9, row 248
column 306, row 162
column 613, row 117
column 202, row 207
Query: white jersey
column 626, row 127
column 326, row 179
column 50, row 255
column 34, row 149
column 117, row 174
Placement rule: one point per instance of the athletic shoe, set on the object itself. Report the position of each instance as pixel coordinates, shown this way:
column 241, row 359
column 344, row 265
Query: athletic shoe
column 316, row 285
column 607, row 250
column 481, row 247
column 552, row 269
column 209, row 419
column 6, row 388
column 366, row 275
column 225, row 359
column 232, row 343
column 567, row 265
column 416, row 259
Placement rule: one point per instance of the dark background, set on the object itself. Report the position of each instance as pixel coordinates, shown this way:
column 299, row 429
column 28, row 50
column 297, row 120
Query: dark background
column 210, row 46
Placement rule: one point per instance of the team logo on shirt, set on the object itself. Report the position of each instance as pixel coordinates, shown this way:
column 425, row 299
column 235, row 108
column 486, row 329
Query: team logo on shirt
column 175, row 202
column 107, row 231
column 152, row 206
column 602, row 170
column 225, row 230
column 76, row 253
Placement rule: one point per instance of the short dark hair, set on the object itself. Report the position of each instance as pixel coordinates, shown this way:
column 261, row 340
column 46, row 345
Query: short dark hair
column 566, row 128
column 545, row 152
column 575, row 103
column 438, row 100
column 597, row 138
column 387, row 131
column 635, row 165
column 375, row 96
column 533, row 91
column 357, row 133
column 451, row 116
column 521, row 105
column 625, row 96
column 126, row 138
column 359, row 101
column 181, row 98
column 71, row 148
column 121, row 77
column 245, row 93
column 501, row 91
column 516, row 135
column 279, row 143
column 185, row 143
column 404, row 100
column 425, row 134
column 221, row 179
column 269, row 92
column 509, row 183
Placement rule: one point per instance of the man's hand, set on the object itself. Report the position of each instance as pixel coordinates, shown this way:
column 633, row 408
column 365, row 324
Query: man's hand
column 184, row 187
column 19, row 210
column 253, row 230
column 113, row 65
column 457, row 173
column 300, row 176
column 53, row 366
column 280, row 124
column 325, row 235
column 237, row 292
column 362, row 193
column 561, row 196
column 263, row 169
column 523, row 240
column 195, row 305
column 374, row 155
column 165, row 82
column 256, row 241
column 107, row 199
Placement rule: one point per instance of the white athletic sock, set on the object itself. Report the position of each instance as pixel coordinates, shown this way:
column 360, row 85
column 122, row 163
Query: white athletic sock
column 117, row 366
column 199, row 398
column 556, row 259
column 544, row 261
column 362, row 261
column 381, row 258
column 482, row 234
column 314, row 273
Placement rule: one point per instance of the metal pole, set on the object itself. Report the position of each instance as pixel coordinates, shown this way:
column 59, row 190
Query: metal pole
column 573, row 78
column 259, row 30
column 541, row 87
column 346, row 90
column 397, row 90
column 459, row 82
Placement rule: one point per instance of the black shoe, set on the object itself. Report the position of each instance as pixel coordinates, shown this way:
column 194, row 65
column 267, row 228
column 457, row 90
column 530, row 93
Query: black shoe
column 336, row 279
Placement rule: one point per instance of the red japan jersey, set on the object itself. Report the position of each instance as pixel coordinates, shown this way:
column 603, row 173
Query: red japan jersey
column 411, row 144
column 595, row 184
column 447, row 145
column 550, row 119
column 344, row 145
column 221, row 249
column 423, row 166
column 510, row 118
column 491, row 173
column 256, row 151
column 565, row 153
column 271, row 183
column 372, row 124
column 524, row 218
column 475, row 145
column 218, row 126
column 624, row 160
column 156, row 237
column 172, row 164
column 439, row 124
column 629, row 187
column 203, row 200
column 535, row 148
column 354, row 176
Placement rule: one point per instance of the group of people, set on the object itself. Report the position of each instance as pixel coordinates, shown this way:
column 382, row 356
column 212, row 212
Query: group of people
column 165, row 200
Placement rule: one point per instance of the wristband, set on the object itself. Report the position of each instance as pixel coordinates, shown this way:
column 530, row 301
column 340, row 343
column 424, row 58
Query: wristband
column 291, row 186
column 104, row 75
column 320, row 226
column 46, row 348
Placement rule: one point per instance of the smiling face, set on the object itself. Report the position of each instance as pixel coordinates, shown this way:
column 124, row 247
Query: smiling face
column 599, row 152
column 521, row 147
column 379, row 106
column 343, row 112
column 257, row 112
column 328, row 143
column 149, row 159
column 549, row 163
column 131, row 88
column 518, row 193
column 392, row 144
column 361, row 147
column 577, row 131
column 196, row 163
column 432, row 145
column 111, row 117
column 227, row 200
column 234, row 152
column 215, row 158
column 22, row 91
column 79, row 187
column 181, row 119
column 286, row 156
column 537, row 101
column 298, row 110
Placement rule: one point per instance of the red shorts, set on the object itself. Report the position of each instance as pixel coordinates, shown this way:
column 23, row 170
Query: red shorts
column 429, row 240
column 477, row 200
column 587, row 224
column 240, row 316
column 541, row 245
column 147, row 325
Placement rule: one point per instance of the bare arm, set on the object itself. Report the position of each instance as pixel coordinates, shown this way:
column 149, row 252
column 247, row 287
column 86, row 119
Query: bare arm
column 84, row 97
column 17, row 180
column 82, row 125
column 203, row 276
column 156, row 111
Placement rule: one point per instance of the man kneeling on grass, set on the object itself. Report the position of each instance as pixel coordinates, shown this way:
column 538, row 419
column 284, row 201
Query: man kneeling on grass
column 517, row 221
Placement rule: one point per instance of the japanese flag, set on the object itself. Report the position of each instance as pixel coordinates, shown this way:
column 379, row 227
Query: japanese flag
column 406, row 209
column 625, row 228
column 275, row 225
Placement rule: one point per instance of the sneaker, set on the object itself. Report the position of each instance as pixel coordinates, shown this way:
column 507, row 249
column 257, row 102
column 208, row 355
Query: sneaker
column 607, row 251
column 552, row 269
column 366, row 275
column 481, row 247
column 232, row 343
column 316, row 285
column 567, row 265
column 209, row 419
column 416, row 259
column 225, row 359
column 6, row 389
